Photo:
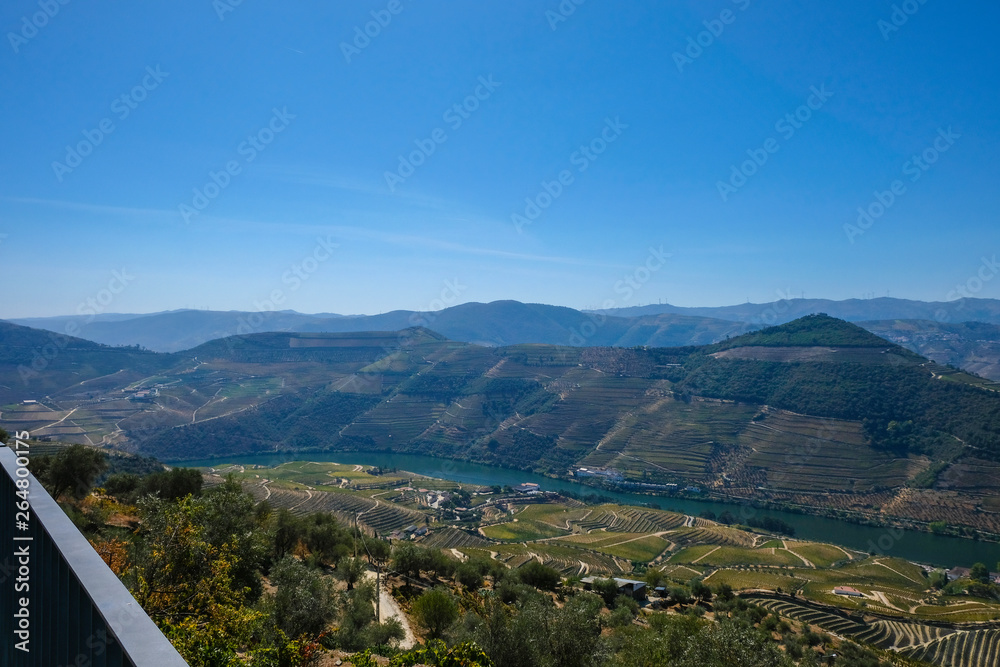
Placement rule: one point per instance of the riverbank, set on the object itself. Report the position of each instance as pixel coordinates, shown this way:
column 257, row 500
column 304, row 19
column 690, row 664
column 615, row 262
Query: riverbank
column 914, row 545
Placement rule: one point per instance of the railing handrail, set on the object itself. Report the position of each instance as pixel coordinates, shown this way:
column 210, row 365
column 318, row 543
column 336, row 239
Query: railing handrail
column 139, row 638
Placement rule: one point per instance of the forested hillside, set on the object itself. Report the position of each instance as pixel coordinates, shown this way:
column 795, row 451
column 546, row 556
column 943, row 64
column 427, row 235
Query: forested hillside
column 886, row 427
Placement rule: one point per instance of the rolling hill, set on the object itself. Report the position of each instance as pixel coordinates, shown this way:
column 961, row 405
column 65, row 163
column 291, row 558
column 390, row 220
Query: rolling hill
column 949, row 333
column 814, row 413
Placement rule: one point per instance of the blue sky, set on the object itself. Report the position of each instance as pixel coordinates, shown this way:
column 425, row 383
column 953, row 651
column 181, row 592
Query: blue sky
column 313, row 221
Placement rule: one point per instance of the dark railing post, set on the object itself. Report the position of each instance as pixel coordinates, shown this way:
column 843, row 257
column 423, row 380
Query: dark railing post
column 78, row 612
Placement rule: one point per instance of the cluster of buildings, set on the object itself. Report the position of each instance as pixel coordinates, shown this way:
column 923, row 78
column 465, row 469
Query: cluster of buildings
column 964, row 573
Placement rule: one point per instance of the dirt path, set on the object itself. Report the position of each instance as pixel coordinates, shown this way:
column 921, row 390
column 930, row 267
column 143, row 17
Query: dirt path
column 899, row 573
column 634, row 539
column 492, row 373
column 194, row 413
column 706, row 555
column 56, row 423
column 688, row 521
column 845, row 552
column 884, row 600
column 799, row 556
column 390, row 609
column 309, row 495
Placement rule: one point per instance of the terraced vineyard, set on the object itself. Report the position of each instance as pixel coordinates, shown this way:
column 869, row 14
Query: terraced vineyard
column 718, row 535
column 630, row 519
column 452, row 538
column 975, row 648
column 826, row 453
column 567, row 560
column 898, row 635
column 832, row 622
column 944, row 646
column 379, row 515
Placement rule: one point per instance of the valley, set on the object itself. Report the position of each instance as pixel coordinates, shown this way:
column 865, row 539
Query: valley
column 815, row 416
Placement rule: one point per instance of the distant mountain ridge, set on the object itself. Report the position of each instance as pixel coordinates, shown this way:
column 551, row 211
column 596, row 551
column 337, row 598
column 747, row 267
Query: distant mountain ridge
column 493, row 324
column 850, row 310
column 939, row 330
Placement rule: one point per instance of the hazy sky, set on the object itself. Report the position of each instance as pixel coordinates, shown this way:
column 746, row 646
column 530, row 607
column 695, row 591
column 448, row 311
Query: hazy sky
column 232, row 155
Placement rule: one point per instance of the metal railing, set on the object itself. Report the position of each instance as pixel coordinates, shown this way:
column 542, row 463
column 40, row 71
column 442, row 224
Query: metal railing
column 58, row 599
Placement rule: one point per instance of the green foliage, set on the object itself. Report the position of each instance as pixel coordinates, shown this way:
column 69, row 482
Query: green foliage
column 172, row 484
column 410, row 560
column 538, row 575
column 286, row 532
column 356, row 626
column 350, row 570
column 727, row 644
column 435, row 611
column 73, row 470
column 472, row 572
column 123, row 485
column 980, row 573
column 700, row 590
column 326, row 538
column 303, row 603
column 435, row 654
column 679, row 595
column 607, row 589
